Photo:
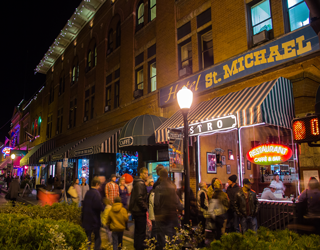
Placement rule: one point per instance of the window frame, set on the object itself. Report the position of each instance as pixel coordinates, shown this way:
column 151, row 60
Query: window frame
column 108, row 100
column 140, row 83
column 89, row 59
column 117, row 95
column 150, row 10
column 201, row 50
column 286, row 15
column 89, row 102
column 95, row 56
column 151, row 62
column 180, row 45
column 141, row 24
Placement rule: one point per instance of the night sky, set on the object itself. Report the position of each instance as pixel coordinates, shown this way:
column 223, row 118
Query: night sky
column 28, row 30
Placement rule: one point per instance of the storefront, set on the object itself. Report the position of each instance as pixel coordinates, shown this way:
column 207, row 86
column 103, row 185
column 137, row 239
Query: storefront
column 225, row 129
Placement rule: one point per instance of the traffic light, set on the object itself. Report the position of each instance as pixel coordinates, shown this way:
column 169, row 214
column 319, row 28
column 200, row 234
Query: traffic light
column 306, row 129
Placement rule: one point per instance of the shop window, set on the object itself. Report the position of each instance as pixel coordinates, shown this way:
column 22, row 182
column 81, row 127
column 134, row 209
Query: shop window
column 298, row 13
column 261, row 17
column 140, row 16
column 153, row 9
column 139, row 79
column 61, row 85
column 49, row 127
column 152, row 76
column 118, row 35
column 59, row 121
column 117, row 94
column 108, row 99
column 110, row 42
column 206, row 49
column 185, row 62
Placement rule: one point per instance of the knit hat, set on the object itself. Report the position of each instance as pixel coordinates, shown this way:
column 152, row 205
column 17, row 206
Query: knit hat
column 246, row 181
column 233, row 178
column 117, row 200
column 128, row 178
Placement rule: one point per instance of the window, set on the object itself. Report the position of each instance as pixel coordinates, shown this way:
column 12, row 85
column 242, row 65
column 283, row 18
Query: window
column 153, row 9
column 95, row 57
column 110, row 42
column 204, row 18
column 186, row 55
column 184, row 30
column 108, row 97
column 139, row 78
column 89, row 103
column 117, row 94
column 89, row 59
column 49, row 127
column 298, row 13
column 61, row 86
column 59, row 121
column 140, row 16
column 72, row 113
column 75, row 72
column 118, row 35
column 206, row 49
column 261, row 17
column 152, row 76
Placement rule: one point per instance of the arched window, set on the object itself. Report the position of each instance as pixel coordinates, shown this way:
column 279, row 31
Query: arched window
column 110, row 42
column 89, row 59
column 140, row 14
column 95, row 56
column 118, row 35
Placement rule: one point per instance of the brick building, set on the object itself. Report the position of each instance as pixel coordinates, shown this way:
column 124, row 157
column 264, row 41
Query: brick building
column 116, row 60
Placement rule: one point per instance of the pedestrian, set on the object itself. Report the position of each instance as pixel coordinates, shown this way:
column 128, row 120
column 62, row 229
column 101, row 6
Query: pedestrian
column 104, row 218
column 211, row 188
column 8, row 180
column 246, row 206
column 219, row 205
column 268, row 193
column 202, row 204
column 159, row 167
column 14, row 190
column 123, row 192
column 112, row 189
column 84, row 188
column 166, row 206
column 117, row 219
column 233, row 188
column 138, row 207
column 91, row 210
column 102, row 188
column 150, row 183
column 74, row 191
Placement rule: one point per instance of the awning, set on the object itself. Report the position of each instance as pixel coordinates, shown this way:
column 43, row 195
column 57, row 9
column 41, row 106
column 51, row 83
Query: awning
column 5, row 162
column 139, row 131
column 47, row 156
column 270, row 102
column 25, row 159
column 101, row 143
column 63, row 152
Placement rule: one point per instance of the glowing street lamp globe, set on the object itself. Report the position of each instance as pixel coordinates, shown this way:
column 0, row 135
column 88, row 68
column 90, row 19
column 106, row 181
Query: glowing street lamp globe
column 13, row 156
column 185, row 98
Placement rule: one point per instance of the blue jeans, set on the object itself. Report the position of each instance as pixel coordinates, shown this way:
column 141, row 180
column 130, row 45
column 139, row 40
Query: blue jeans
column 97, row 239
column 166, row 228
column 248, row 222
column 117, row 240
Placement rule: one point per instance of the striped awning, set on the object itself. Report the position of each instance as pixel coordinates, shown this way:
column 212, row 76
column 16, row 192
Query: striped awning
column 106, row 142
column 63, row 152
column 270, row 102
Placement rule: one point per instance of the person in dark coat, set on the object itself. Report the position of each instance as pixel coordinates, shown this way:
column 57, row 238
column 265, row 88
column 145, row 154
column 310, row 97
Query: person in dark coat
column 233, row 188
column 8, row 180
column 14, row 190
column 138, row 207
column 92, row 208
column 159, row 167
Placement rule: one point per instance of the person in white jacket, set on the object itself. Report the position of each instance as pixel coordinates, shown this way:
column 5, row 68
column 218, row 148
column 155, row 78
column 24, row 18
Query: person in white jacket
column 151, row 214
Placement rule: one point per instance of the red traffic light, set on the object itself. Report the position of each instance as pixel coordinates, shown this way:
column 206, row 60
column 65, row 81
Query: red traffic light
column 306, row 129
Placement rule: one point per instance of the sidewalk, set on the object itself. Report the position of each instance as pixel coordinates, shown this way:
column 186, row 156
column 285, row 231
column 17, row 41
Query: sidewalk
column 28, row 199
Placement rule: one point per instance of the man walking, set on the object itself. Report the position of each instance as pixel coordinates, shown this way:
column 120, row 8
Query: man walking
column 138, row 208
column 246, row 206
column 112, row 189
column 233, row 188
column 92, row 208
column 14, row 190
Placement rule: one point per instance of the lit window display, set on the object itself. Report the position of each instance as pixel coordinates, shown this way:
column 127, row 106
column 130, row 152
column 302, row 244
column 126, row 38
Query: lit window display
column 127, row 164
column 83, row 169
column 152, row 168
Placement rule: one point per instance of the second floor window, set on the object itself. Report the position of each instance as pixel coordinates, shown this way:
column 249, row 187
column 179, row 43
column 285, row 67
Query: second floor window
column 206, row 50
column 298, row 14
column 186, row 55
column 153, row 76
column 108, row 97
column 139, row 78
column 153, row 9
column 261, row 17
column 117, row 94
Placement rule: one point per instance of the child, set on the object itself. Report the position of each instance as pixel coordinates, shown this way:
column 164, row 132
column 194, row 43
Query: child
column 104, row 218
column 116, row 220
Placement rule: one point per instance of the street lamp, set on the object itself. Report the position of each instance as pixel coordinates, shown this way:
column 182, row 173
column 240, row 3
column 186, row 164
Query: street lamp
column 13, row 156
column 185, row 98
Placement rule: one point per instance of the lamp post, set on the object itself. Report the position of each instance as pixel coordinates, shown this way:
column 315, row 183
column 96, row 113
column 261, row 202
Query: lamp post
column 185, row 98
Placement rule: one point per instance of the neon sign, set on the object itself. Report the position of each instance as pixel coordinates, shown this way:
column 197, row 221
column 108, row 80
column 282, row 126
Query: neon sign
column 268, row 154
column 6, row 150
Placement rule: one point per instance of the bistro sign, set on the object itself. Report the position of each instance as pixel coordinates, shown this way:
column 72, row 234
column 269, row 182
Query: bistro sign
column 268, row 154
column 86, row 151
column 287, row 47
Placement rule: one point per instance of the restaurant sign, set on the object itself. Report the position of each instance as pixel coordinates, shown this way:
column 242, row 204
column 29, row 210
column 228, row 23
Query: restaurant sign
column 268, row 154
column 290, row 46
column 127, row 141
column 81, row 152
